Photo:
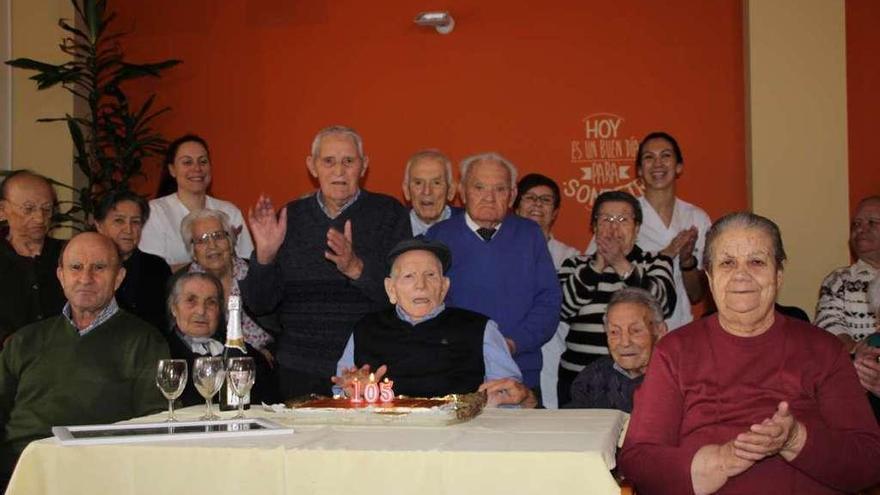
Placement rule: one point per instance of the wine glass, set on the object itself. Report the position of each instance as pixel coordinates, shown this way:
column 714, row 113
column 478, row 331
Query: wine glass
column 241, row 372
column 171, row 379
column 208, row 375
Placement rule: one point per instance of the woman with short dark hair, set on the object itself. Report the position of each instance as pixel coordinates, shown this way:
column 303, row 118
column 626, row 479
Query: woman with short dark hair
column 121, row 216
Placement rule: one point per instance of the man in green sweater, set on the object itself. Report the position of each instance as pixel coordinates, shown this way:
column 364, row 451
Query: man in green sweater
column 92, row 364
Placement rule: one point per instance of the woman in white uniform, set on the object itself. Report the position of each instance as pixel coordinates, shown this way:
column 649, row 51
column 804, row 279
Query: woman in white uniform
column 186, row 178
column 670, row 225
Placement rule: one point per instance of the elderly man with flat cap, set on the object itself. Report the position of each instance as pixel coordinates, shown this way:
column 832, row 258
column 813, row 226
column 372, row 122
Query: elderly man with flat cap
column 29, row 290
column 430, row 349
column 93, row 364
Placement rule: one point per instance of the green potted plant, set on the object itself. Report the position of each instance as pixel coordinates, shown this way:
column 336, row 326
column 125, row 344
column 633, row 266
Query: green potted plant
column 112, row 137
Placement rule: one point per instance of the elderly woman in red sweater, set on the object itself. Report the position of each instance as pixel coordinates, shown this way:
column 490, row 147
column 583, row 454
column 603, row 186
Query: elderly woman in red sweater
column 749, row 400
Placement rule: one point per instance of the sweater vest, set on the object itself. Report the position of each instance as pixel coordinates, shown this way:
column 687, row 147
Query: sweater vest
column 440, row 356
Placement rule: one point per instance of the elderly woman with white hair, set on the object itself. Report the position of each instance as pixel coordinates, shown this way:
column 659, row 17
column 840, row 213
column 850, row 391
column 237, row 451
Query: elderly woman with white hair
column 210, row 239
column 194, row 305
column 749, row 400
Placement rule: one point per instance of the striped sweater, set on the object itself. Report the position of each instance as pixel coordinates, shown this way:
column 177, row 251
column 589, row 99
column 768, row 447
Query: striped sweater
column 585, row 295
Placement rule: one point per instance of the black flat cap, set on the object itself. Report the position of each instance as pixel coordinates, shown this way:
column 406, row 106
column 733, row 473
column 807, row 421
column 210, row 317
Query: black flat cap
column 420, row 243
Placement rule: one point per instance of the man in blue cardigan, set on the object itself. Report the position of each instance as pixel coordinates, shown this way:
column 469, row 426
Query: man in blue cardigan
column 502, row 267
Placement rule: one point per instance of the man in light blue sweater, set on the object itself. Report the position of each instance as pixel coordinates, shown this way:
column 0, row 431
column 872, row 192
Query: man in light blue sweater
column 502, row 267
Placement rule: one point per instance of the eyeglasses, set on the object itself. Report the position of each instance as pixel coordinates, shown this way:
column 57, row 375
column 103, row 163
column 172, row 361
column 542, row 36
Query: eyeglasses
column 546, row 200
column 216, row 236
column 614, row 219
column 29, row 209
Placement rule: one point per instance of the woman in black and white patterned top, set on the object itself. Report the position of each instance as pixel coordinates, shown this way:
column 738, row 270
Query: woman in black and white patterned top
column 589, row 281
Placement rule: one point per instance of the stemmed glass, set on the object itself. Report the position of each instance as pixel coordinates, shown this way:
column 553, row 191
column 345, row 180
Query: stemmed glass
column 171, row 377
column 241, row 372
column 208, row 375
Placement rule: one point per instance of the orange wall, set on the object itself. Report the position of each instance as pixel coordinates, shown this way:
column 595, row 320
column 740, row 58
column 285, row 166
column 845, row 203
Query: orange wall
column 863, row 97
column 520, row 77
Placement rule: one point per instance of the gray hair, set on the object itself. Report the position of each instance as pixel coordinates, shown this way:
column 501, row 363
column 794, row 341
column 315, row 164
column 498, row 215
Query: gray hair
column 488, row 157
column 177, row 283
column 428, row 154
column 338, row 129
column 635, row 295
column 873, row 294
column 866, row 200
column 744, row 220
column 188, row 221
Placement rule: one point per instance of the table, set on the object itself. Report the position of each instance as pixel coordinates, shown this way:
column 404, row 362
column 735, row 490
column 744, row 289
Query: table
column 502, row 451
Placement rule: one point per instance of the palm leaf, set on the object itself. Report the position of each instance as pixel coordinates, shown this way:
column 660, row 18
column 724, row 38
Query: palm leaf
column 113, row 136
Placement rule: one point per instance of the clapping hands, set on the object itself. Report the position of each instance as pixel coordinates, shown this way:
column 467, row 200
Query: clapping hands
column 682, row 245
column 714, row 464
column 610, row 251
column 781, row 434
column 867, row 366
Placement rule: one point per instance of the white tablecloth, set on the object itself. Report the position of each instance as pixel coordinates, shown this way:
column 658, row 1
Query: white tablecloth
column 501, row 451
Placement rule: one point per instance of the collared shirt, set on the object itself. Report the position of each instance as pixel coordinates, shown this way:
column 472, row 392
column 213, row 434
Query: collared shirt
column 203, row 346
column 344, row 207
column 105, row 314
column 474, row 227
column 496, row 356
column 843, row 301
column 625, row 372
column 419, row 227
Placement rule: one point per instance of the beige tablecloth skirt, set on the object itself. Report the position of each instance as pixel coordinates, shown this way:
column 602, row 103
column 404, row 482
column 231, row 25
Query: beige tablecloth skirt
column 500, row 452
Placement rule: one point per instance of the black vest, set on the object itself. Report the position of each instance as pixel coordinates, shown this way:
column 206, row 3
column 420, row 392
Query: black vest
column 443, row 355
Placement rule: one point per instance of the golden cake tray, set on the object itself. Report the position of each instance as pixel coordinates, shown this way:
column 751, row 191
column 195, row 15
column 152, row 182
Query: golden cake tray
column 407, row 411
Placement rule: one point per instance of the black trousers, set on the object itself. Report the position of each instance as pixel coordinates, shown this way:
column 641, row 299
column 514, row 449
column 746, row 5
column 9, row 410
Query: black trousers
column 563, row 386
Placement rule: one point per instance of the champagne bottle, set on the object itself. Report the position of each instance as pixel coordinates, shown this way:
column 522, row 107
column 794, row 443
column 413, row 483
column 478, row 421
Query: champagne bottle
column 235, row 347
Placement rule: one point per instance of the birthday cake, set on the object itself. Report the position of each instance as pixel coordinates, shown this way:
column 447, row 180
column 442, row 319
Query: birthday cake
column 401, row 410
